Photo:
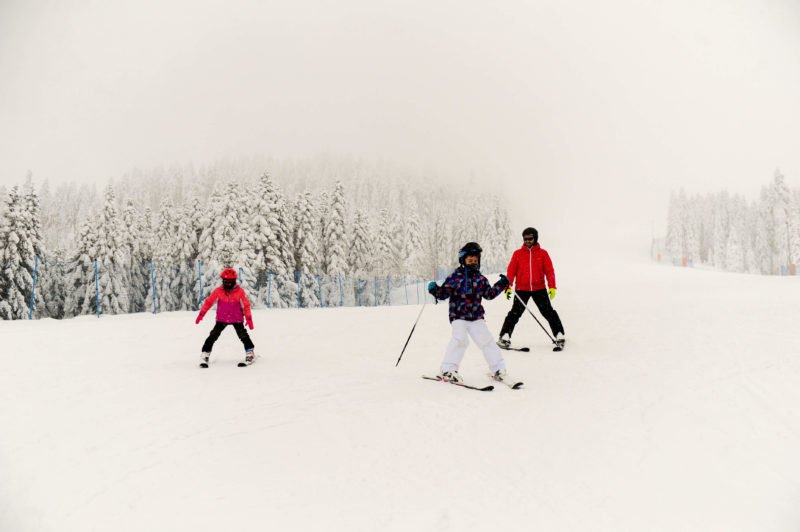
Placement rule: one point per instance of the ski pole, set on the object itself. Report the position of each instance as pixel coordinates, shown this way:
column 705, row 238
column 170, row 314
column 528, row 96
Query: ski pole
column 409, row 334
column 534, row 317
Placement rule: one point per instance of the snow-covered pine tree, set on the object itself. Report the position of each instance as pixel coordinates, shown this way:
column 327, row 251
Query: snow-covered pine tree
column 20, row 242
column 15, row 280
column 198, row 219
column 323, row 210
column 265, row 227
column 360, row 258
column 227, row 227
column 692, row 231
column 765, row 233
column 721, row 228
column 164, row 259
column 783, row 215
column 735, row 251
column 335, row 247
column 184, row 286
column 412, row 253
column 138, row 264
column 285, row 283
column 705, row 227
column 80, row 272
column 750, row 256
column 246, row 254
column 32, row 228
column 205, row 244
column 496, row 250
column 306, row 250
column 53, row 284
column 113, row 273
column 437, row 243
column 674, row 240
column 148, row 251
column 383, row 263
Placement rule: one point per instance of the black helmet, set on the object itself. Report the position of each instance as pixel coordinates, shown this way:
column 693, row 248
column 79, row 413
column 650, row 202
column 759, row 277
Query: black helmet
column 470, row 248
column 530, row 231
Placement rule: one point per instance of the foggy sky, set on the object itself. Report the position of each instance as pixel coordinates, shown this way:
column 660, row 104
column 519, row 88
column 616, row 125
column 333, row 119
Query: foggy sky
column 586, row 113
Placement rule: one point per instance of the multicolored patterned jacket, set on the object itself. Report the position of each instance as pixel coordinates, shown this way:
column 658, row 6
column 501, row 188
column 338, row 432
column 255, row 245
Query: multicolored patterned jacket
column 232, row 306
column 465, row 288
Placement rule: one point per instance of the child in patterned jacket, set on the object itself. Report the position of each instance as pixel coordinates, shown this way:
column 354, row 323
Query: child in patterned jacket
column 233, row 308
column 465, row 288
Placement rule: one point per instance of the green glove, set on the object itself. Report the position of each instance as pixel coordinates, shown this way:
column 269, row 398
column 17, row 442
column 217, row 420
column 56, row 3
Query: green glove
column 552, row 292
column 508, row 293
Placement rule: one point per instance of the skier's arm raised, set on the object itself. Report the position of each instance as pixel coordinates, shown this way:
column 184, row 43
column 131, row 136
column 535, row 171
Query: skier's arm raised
column 491, row 292
column 441, row 292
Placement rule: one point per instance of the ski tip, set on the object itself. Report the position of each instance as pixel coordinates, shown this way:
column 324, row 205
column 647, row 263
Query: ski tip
column 557, row 349
column 524, row 349
column 518, row 385
column 203, row 365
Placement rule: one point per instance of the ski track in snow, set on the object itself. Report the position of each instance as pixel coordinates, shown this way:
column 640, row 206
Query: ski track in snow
column 672, row 408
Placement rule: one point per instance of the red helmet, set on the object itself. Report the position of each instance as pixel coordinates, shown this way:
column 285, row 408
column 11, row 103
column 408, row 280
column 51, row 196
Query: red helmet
column 228, row 273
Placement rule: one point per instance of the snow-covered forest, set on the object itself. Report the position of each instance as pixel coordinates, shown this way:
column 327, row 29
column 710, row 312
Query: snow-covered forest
column 318, row 233
column 728, row 232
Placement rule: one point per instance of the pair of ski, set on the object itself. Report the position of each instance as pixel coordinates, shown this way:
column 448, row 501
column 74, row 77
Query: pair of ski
column 514, row 385
column 239, row 365
column 559, row 347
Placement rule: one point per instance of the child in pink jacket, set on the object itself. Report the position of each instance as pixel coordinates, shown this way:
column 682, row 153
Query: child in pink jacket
column 233, row 308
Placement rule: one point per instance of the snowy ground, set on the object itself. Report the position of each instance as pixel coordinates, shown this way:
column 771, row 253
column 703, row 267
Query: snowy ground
column 675, row 407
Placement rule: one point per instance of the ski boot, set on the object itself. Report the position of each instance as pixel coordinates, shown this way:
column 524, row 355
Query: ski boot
column 450, row 376
column 504, row 342
column 204, row 359
column 249, row 358
column 560, row 341
column 499, row 375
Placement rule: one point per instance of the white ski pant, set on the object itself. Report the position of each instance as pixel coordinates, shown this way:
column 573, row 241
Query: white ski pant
column 462, row 329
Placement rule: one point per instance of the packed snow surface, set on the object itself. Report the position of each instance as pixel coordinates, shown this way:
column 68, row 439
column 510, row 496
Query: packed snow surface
column 674, row 407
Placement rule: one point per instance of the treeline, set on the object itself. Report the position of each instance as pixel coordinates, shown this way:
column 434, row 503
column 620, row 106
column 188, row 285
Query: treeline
column 341, row 232
column 730, row 233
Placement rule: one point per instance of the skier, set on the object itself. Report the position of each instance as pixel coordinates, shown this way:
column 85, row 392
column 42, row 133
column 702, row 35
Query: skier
column 233, row 307
column 465, row 287
column 528, row 269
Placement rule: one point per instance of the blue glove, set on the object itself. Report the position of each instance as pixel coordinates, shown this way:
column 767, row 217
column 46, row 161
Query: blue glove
column 432, row 287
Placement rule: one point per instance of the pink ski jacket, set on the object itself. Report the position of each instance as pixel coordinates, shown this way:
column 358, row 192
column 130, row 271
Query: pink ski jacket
column 232, row 307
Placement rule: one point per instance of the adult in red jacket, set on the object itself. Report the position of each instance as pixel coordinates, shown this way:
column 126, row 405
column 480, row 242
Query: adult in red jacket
column 528, row 270
column 233, row 308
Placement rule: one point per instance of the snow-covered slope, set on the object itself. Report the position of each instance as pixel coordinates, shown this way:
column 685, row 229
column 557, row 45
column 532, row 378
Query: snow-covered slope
column 673, row 408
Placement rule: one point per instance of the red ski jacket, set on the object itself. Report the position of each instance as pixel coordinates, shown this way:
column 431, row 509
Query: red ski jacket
column 530, row 268
column 232, row 307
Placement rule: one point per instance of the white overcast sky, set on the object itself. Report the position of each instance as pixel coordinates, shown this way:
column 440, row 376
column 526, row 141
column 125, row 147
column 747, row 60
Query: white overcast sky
column 584, row 111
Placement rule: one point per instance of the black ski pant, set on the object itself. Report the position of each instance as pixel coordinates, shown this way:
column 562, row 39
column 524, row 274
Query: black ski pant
column 542, row 300
column 241, row 332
